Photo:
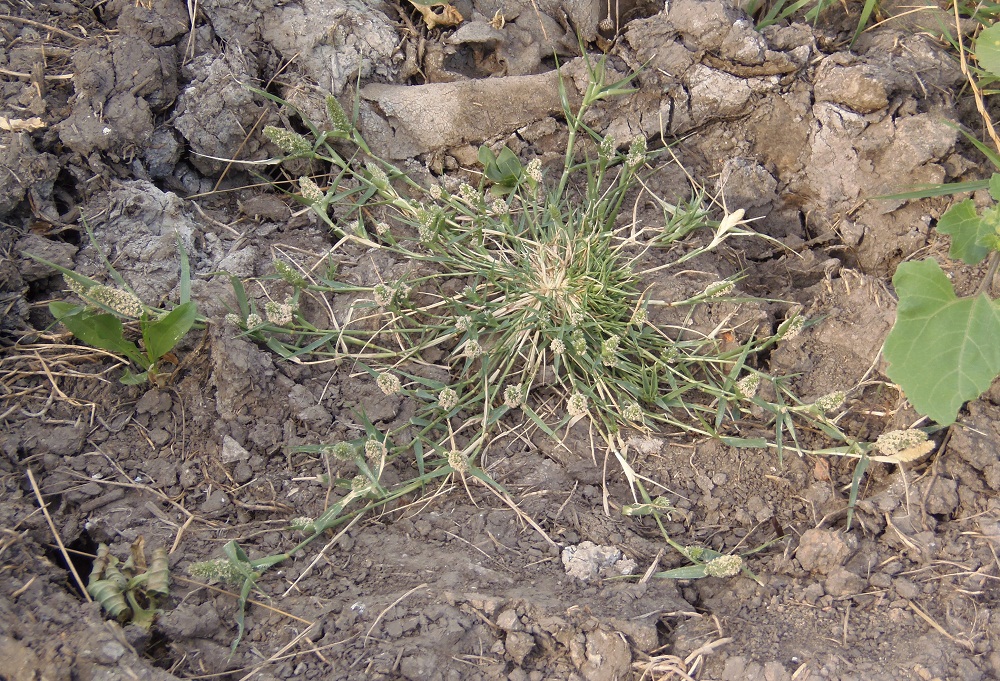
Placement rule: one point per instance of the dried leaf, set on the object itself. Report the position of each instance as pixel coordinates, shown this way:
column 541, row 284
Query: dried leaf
column 439, row 14
column 23, row 125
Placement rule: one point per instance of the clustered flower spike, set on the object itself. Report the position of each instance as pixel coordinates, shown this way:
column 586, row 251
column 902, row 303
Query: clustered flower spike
column 338, row 117
column 342, row 451
column 534, row 170
column 636, row 152
column 292, row 143
column 381, row 228
column 310, row 190
column 499, row 207
column 469, row 194
column 122, row 302
column 791, row 327
column 639, row 315
column 375, row 449
column 576, row 405
column 748, row 385
column 717, row 289
column 234, row 319
column 388, row 383
column 279, row 314
column 473, row 349
column 457, row 461
column 557, row 346
column 632, row 412
column 254, row 320
column 378, row 176
column 830, row 402
column 609, row 351
column 608, row 147
column 303, row 524
column 360, row 483
column 463, row 323
column 216, row 570
column 77, row 287
column 383, row 295
column 426, row 221
column 289, row 274
column 895, row 442
column 513, row 396
column 435, row 191
column 579, row 342
column 447, row 399
column 724, row 566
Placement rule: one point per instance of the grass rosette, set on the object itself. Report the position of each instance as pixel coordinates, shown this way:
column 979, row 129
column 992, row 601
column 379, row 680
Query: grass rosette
column 551, row 317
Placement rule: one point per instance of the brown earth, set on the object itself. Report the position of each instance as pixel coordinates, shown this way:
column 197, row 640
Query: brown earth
column 136, row 110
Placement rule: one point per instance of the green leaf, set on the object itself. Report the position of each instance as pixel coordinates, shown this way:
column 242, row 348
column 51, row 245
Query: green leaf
column 995, row 186
column 102, row 330
column 163, row 334
column 988, row 50
column 966, row 228
column 942, row 350
column 686, row 572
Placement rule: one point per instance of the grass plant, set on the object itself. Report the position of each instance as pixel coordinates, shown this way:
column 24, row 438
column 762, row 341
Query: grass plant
column 526, row 301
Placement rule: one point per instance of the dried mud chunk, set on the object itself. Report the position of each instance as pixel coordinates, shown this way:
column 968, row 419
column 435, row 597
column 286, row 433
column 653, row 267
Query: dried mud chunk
column 160, row 22
column 823, row 550
column 402, row 121
column 216, row 110
column 333, row 40
column 139, row 232
column 857, row 87
column 23, row 170
column 58, row 252
column 117, row 89
column 976, row 437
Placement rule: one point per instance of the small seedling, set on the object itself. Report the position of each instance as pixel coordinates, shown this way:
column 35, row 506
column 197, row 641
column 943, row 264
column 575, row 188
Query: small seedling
column 98, row 321
column 130, row 591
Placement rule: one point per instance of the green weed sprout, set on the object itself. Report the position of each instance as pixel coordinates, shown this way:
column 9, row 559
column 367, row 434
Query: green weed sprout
column 98, row 320
column 130, row 591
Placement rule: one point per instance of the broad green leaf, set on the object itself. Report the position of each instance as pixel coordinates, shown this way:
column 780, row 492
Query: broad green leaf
column 942, row 350
column 966, row 228
column 995, row 186
column 102, row 331
column 163, row 334
column 988, row 50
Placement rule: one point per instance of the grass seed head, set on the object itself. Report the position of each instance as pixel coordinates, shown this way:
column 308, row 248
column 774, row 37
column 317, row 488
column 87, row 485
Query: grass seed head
column 897, row 441
column 447, row 399
column 388, row 383
column 724, row 566
column 289, row 274
column 122, row 302
column 748, row 385
column 338, row 117
column 292, row 143
column 534, row 170
column 310, row 190
column 513, row 396
column 458, row 461
column 791, row 328
column 576, row 405
column 279, row 314
column 830, row 402
column 77, row 287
